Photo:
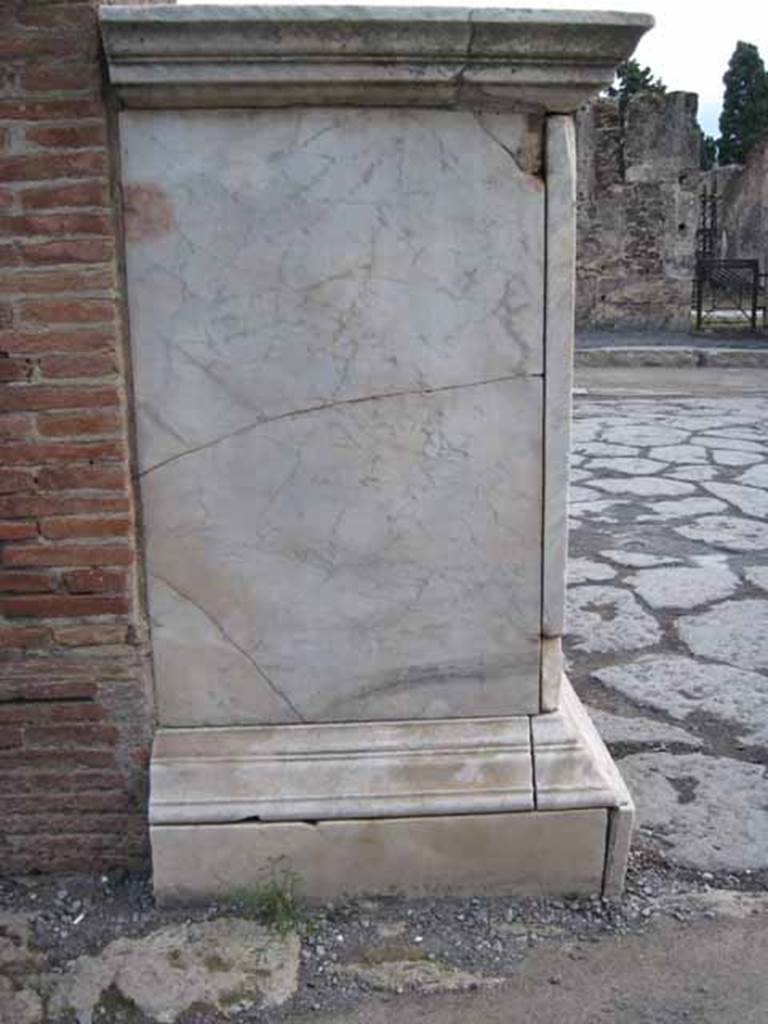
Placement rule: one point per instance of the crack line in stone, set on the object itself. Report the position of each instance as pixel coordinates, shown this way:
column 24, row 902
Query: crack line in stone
column 272, row 685
column 294, row 413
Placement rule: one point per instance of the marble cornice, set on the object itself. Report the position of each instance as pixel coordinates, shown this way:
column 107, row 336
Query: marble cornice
column 215, row 56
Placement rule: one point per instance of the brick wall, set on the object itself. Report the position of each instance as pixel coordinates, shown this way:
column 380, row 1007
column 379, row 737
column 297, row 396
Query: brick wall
column 75, row 687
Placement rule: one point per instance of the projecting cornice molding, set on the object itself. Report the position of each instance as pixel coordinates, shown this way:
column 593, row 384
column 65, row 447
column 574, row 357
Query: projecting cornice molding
column 216, row 56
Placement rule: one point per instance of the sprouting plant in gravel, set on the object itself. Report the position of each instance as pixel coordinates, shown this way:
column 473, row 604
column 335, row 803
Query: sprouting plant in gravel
column 276, row 902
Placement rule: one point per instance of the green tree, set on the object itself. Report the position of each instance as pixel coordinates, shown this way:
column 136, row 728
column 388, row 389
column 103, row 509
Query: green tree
column 708, row 152
column 744, row 118
column 632, row 79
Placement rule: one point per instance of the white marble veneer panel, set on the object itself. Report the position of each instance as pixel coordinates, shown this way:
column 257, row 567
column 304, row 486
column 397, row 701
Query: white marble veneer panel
column 558, row 355
column 279, row 260
column 373, row 559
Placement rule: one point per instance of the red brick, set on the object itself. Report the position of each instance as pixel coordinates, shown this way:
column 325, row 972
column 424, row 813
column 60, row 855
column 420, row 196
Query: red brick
column 83, row 780
column 66, row 554
column 52, row 225
column 88, row 424
column 65, row 606
column 82, row 477
column 39, row 44
column 88, row 340
column 70, row 734
column 72, row 136
column 9, row 256
column 107, row 802
column 63, row 527
column 60, row 77
column 90, row 636
column 83, row 250
column 52, row 197
column 67, row 16
column 15, row 370
column 45, row 166
column 26, row 583
column 23, row 636
column 7, row 199
column 94, row 581
column 41, row 690
column 44, row 397
column 39, row 712
column 16, row 425
column 16, row 529
column 68, row 311
column 68, row 366
column 63, row 760
column 14, row 480
column 49, row 110
column 10, row 736
column 22, row 506
column 51, row 282
column 35, row 453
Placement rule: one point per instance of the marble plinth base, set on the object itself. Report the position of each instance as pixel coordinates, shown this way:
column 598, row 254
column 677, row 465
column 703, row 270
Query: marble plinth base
column 523, row 804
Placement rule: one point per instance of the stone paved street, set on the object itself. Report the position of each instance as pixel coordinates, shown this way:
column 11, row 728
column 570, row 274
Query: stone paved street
column 668, row 603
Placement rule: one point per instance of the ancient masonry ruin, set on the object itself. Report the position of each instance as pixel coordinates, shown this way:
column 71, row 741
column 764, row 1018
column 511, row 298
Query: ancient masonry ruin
column 639, row 187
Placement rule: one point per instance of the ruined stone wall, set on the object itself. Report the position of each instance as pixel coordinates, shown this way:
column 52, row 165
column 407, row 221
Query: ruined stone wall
column 638, row 189
column 743, row 212
column 75, row 699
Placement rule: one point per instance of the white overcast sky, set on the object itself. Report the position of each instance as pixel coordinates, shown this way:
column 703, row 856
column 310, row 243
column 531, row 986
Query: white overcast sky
column 689, row 48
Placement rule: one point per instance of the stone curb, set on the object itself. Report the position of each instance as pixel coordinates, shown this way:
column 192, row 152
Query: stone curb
column 672, row 356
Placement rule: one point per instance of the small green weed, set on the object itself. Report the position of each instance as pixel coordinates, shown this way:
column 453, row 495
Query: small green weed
column 276, row 902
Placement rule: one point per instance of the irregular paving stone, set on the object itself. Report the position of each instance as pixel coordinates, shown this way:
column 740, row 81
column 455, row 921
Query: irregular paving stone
column 230, row 964
column 596, row 509
column 644, row 486
column 680, row 587
column 740, row 433
column 644, row 436
column 681, row 508
column 749, row 500
column 681, row 686
column 728, row 532
column 731, row 445
column 735, row 632
column 599, row 448
column 629, row 466
column 622, row 729
column 757, row 575
column 426, row 976
column 579, row 494
column 724, row 457
column 582, row 570
column 693, row 473
column 757, row 476
column 602, row 619
column 679, row 453
column 710, row 811
column 637, row 559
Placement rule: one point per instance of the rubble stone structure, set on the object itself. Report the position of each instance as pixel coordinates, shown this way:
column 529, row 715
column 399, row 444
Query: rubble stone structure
column 638, row 186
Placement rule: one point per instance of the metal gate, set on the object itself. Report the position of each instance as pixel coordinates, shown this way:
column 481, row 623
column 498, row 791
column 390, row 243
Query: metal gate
column 726, row 292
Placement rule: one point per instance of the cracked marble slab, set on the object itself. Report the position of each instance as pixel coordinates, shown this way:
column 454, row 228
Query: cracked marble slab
column 284, row 260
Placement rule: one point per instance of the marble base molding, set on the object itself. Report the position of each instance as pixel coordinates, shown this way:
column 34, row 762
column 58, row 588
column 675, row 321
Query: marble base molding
column 527, row 804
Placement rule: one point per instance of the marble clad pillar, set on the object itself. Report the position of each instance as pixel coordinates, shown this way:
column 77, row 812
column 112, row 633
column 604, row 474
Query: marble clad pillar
column 350, row 271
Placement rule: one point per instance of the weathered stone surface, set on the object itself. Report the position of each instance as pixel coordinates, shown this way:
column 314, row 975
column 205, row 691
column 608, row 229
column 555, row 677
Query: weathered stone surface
column 419, row 975
column 229, row 963
column 603, row 619
column 710, row 813
column 637, row 559
column 638, row 730
column 749, row 500
column 681, row 508
column 728, row 533
column 735, row 632
column 757, row 575
column 583, row 570
column 643, row 486
column 680, row 687
column 680, row 587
